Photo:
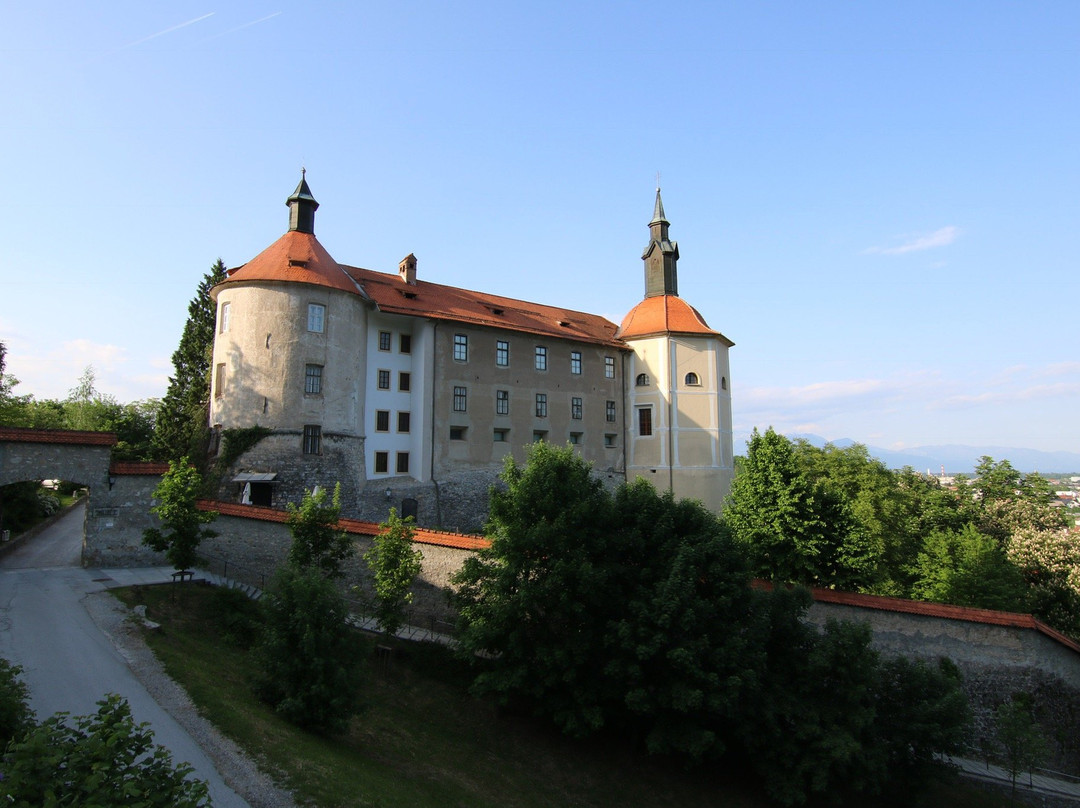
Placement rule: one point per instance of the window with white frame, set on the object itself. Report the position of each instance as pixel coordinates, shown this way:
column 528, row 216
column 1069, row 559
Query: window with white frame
column 541, row 405
column 225, row 310
column 461, row 348
column 644, row 421
column 609, row 367
column 575, row 408
column 502, row 402
column 384, row 340
column 316, row 318
column 502, row 353
column 541, row 357
column 384, row 379
column 575, row 362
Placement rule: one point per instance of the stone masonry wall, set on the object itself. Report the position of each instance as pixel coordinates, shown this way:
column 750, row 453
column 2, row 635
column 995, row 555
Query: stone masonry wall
column 996, row 662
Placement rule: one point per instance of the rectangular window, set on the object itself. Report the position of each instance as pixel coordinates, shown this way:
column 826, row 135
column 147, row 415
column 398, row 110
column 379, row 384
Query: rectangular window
column 384, row 379
column 575, row 438
column 459, row 399
column 502, row 353
column 611, row 412
column 403, row 462
column 609, row 440
column 404, row 381
column 405, row 343
column 501, row 435
column 575, row 409
column 313, row 379
column 461, row 348
column 644, row 420
column 539, row 435
column 316, row 317
column 384, row 340
column 541, row 405
column 312, row 439
column 541, row 357
column 609, row 367
column 382, row 420
column 575, row 362
column 457, row 433
column 219, row 381
column 403, row 422
column 382, row 462
column 502, row 402
column 225, row 307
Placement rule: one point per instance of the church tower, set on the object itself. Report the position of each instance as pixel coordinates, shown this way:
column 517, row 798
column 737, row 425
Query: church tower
column 679, row 433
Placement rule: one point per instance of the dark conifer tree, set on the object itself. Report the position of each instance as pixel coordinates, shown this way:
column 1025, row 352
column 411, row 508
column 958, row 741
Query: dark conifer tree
column 182, row 428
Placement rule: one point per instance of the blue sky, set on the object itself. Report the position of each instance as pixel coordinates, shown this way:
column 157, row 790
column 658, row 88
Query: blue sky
column 878, row 202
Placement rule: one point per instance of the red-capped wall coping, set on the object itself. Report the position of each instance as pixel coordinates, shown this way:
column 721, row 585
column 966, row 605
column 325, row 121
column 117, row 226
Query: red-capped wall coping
column 136, row 467
column 941, row 610
column 421, row 535
column 70, row 436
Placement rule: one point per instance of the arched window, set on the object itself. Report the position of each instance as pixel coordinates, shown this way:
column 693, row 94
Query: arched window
column 692, row 380
column 642, row 380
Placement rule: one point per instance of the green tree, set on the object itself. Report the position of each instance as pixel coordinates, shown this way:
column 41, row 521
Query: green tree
column 995, row 480
column 97, row 760
column 182, row 428
column 684, row 638
column 309, row 659
column 792, row 527
column 1023, row 746
column 968, row 568
column 16, row 717
column 176, row 496
column 317, row 540
column 394, row 565
column 536, row 601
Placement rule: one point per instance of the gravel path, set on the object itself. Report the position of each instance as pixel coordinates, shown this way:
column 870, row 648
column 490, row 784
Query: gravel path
column 235, row 767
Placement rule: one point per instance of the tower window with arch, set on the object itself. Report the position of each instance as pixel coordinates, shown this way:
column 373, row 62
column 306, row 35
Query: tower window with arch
column 642, row 380
column 723, row 382
column 692, row 380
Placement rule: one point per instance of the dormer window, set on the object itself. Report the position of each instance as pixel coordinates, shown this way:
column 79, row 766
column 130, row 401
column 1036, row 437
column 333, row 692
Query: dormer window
column 642, row 380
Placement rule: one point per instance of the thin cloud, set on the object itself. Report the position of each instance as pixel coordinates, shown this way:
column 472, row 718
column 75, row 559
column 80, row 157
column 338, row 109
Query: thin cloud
column 166, row 31
column 939, row 238
column 240, row 27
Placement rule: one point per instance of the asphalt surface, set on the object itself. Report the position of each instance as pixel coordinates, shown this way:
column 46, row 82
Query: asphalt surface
column 68, row 662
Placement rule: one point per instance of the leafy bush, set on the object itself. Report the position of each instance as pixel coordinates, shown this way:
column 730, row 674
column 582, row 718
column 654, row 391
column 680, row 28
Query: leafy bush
column 105, row 759
column 309, row 658
column 15, row 714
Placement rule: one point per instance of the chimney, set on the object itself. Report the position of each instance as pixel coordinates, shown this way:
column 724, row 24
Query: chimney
column 407, row 269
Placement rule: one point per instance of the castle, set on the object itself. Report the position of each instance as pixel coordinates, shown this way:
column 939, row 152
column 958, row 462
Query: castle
column 411, row 393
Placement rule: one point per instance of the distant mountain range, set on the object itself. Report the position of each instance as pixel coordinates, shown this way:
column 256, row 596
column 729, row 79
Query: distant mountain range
column 962, row 459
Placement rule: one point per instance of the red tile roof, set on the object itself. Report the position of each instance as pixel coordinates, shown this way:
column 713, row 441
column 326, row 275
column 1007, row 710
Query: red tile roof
column 69, row 436
column 421, row 535
column 296, row 257
column 438, row 302
column 665, row 314
column 136, row 467
column 941, row 610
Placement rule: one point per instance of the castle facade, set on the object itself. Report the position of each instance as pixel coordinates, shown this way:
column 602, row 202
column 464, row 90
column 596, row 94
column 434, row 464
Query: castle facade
column 411, row 393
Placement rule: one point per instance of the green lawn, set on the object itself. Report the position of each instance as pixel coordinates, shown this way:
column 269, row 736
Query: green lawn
column 422, row 740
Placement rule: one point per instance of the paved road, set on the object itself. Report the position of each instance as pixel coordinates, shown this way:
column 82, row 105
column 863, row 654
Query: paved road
column 68, row 663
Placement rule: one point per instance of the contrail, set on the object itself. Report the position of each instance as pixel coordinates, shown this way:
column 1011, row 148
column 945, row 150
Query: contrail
column 240, row 27
column 166, row 31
